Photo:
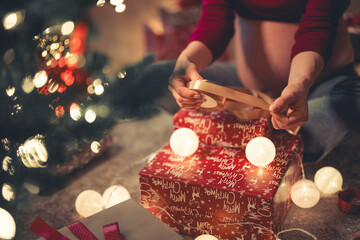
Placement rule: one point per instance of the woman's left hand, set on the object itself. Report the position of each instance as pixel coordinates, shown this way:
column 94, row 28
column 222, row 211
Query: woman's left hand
column 291, row 108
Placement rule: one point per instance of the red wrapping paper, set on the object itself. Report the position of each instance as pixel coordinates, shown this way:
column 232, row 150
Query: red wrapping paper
column 217, row 186
column 221, row 128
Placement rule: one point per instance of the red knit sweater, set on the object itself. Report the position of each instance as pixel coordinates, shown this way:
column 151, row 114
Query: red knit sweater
column 317, row 30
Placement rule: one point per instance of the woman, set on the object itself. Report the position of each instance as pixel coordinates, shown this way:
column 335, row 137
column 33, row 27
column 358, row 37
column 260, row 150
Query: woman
column 296, row 51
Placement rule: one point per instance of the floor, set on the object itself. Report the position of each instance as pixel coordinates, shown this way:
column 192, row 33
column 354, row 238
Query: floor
column 133, row 142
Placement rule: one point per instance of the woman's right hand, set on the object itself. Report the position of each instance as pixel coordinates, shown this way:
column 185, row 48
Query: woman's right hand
column 185, row 71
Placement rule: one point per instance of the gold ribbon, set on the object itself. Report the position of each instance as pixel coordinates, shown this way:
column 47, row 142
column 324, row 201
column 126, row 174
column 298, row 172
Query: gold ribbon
column 243, row 103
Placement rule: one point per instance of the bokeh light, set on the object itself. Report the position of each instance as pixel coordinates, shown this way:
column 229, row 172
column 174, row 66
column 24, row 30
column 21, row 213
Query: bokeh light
column 27, row 85
column 7, row 226
column 75, row 111
column 67, row 28
column 116, row 2
column 11, row 20
column 95, row 146
column 99, row 89
column 33, row 152
column 8, row 192
column 40, row 79
column 90, row 116
column 120, row 8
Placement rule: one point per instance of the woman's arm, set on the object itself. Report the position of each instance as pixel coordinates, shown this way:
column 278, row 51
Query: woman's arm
column 208, row 41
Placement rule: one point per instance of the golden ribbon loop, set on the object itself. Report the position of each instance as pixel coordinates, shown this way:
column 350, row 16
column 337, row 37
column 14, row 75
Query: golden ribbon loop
column 240, row 102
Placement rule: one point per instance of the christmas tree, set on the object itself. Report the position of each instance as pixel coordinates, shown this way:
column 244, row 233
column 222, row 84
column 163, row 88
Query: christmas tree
column 56, row 102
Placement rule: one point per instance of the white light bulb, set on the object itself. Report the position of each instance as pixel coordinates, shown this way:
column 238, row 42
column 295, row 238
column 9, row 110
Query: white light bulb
column 88, row 203
column 114, row 195
column 206, row 237
column 7, row 226
column 260, row 151
column 184, row 141
column 305, row 194
column 329, row 180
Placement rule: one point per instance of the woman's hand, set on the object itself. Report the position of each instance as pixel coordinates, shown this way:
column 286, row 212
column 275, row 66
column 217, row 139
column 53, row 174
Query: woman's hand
column 195, row 57
column 186, row 98
column 291, row 108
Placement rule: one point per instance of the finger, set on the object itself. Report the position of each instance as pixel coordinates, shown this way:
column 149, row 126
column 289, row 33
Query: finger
column 275, row 124
column 279, row 106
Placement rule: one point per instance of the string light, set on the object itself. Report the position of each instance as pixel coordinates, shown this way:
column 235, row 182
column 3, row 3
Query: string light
column 260, row 151
column 328, row 180
column 206, row 237
column 7, row 226
column 114, row 195
column 184, row 141
column 305, row 194
column 88, row 203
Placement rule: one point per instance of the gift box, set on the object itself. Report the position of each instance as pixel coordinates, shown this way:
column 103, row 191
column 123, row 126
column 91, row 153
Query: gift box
column 217, row 190
column 221, row 128
column 133, row 221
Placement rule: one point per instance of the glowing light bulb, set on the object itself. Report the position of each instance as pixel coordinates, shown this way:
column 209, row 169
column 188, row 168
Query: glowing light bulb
column 67, row 28
column 206, row 237
column 260, row 151
column 328, row 180
column 184, row 141
column 305, row 194
column 40, row 79
column 7, row 226
column 114, row 195
column 88, row 203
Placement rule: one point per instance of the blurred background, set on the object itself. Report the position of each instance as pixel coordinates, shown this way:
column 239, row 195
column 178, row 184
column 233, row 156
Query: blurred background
column 71, row 70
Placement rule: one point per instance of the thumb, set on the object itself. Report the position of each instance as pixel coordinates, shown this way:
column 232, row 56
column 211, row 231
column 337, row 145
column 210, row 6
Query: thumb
column 193, row 74
column 278, row 106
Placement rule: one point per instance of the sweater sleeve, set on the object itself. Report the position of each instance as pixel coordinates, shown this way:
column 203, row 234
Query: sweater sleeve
column 215, row 27
column 318, row 27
